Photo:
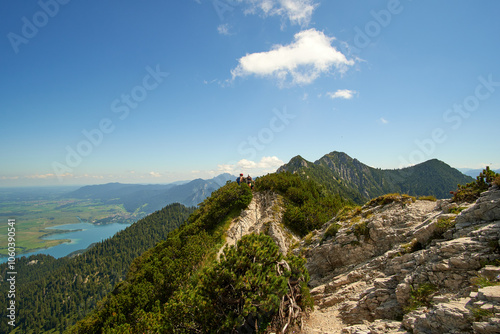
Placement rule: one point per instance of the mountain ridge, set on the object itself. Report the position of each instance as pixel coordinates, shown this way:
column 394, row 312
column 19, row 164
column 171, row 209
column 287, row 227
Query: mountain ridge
column 173, row 285
column 152, row 197
column 348, row 176
column 474, row 172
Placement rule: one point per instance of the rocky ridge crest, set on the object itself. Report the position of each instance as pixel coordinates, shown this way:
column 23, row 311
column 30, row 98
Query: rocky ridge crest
column 407, row 267
column 264, row 214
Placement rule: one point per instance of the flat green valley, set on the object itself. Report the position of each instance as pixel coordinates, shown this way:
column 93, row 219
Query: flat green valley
column 35, row 216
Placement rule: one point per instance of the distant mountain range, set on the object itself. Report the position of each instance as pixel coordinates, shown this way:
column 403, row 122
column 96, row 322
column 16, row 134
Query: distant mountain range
column 475, row 172
column 153, row 197
column 337, row 171
column 350, row 178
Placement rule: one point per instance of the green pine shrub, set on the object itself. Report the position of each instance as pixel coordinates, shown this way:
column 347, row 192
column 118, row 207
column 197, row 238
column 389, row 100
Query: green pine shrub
column 230, row 198
column 307, row 205
column 245, row 292
column 497, row 180
column 251, row 285
column 471, row 191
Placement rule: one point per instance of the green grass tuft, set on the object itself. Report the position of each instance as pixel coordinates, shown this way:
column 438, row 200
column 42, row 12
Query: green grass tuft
column 482, row 282
column 457, row 210
column 421, row 296
column 332, row 231
column 479, row 314
column 391, row 198
column 427, row 198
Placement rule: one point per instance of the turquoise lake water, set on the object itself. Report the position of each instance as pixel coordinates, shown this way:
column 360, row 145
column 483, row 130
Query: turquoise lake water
column 81, row 235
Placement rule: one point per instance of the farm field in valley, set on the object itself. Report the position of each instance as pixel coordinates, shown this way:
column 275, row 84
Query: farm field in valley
column 33, row 217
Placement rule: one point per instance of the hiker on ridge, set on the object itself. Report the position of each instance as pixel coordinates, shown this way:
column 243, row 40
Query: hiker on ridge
column 240, row 179
column 249, row 181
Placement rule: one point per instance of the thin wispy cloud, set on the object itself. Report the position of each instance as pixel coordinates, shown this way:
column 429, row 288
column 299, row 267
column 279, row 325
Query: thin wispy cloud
column 342, row 94
column 9, row 177
column 301, row 62
column 383, row 120
column 223, row 29
column 40, row 176
column 298, row 12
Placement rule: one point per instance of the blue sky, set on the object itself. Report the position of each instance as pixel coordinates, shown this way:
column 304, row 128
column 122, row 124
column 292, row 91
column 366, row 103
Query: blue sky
column 156, row 91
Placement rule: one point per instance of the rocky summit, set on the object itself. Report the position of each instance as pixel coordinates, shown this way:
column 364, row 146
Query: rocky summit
column 402, row 265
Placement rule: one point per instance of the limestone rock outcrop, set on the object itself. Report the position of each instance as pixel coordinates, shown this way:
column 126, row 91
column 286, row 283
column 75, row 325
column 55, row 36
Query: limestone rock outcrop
column 409, row 267
column 263, row 215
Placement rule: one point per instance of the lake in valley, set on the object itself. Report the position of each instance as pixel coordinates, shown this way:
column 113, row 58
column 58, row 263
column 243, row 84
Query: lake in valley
column 82, row 235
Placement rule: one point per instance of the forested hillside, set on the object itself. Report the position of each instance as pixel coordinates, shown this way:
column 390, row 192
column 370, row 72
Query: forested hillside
column 350, row 178
column 156, row 280
column 180, row 287
column 308, row 205
column 52, row 294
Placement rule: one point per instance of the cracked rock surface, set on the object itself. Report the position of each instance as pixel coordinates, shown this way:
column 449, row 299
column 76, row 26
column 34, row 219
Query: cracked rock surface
column 408, row 267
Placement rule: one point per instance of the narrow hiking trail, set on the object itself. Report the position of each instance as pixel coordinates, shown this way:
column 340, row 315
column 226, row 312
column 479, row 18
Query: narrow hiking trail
column 263, row 215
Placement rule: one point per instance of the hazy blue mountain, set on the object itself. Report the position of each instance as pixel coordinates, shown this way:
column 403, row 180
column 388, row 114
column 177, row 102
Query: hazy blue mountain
column 351, row 178
column 474, row 172
column 152, row 197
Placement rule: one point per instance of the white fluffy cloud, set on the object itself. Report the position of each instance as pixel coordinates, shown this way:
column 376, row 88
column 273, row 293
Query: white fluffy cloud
column 264, row 166
column 270, row 162
column 301, row 62
column 246, row 164
column 297, row 11
column 342, row 94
